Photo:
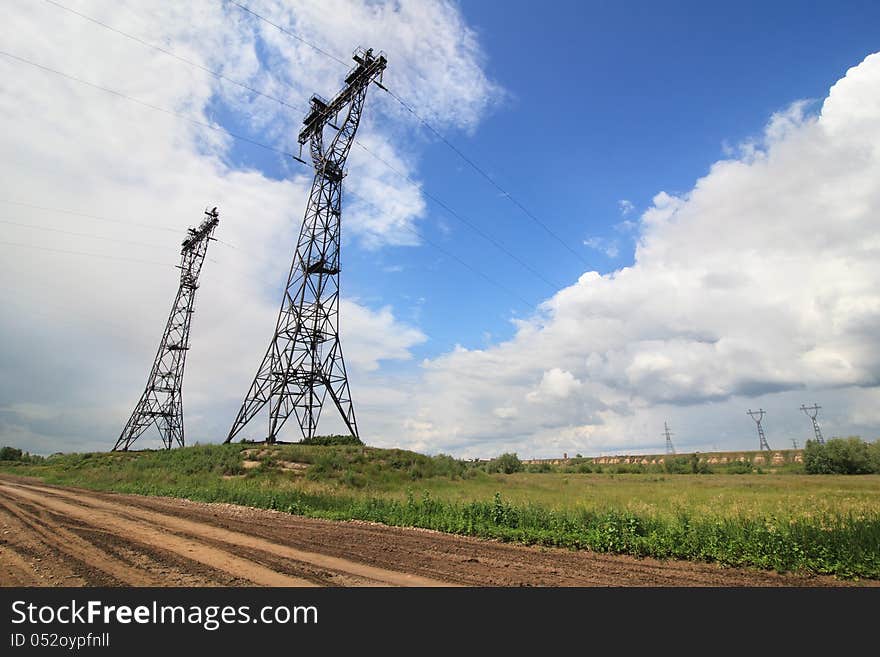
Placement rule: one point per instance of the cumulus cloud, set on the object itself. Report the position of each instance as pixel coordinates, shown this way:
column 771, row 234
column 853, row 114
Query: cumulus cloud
column 609, row 247
column 84, row 298
column 758, row 286
column 555, row 384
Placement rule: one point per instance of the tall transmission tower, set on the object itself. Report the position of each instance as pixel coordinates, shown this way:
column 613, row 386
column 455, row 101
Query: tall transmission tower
column 666, row 432
column 162, row 401
column 813, row 413
column 758, row 416
column 304, row 363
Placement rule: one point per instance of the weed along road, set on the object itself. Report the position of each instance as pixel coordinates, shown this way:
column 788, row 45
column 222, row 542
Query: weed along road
column 58, row 536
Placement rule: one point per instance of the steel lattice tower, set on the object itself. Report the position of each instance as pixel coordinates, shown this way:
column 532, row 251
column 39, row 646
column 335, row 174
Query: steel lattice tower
column 758, row 416
column 162, row 401
column 670, row 449
column 304, row 362
column 813, row 413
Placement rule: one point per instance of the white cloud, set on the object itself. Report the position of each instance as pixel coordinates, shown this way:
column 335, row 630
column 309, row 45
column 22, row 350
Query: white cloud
column 757, row 287
column 555, row 384
column 609, row 247
column 79, row 332
column 626, row 207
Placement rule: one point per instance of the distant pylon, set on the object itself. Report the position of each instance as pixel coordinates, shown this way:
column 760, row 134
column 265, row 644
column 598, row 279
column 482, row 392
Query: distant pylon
column 162, row 401
column 758, row 416
column 813, row 413
column 794, row 443
column 303, row 363
column 666, row 432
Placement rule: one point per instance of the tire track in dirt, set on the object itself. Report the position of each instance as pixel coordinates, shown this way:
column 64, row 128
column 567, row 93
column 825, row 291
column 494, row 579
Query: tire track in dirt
column 214, row 545
column 163, row 565
column 50, row 531
column 187, row 548
column 148, row 565
column 26, row 560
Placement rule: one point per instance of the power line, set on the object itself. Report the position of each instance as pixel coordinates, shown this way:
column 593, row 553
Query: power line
column 360, row 198
column 407, row 178
column 288, row 32
column 150, row 105
column 437, row 200
column 485, row 175
column 82, row 253
column 448, row 253
column 464, row 220
column 170, row 53
column 436, row 132
column 89, row 216
column 108, row 219
column 403, row 176
column 70, row 232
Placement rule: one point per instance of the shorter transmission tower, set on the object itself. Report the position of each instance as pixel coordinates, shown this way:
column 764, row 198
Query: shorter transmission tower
column 813, row 413
column 758, row 416
column 162, row 401
column 794, row 443
column 666, row 432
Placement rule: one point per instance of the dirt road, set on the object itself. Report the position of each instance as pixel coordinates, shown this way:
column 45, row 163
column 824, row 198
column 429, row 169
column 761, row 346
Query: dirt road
column 55, row 536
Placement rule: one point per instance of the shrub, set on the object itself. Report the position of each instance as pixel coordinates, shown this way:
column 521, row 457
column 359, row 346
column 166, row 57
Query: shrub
column 507, row 463
column 447, row 466
column 874, row 455
column 816, row 459
column 677, row 465
column 840, row 456
column 698, row 466
column 10, row 454
column 629, row 468
column 739, row 467
column 335, row 439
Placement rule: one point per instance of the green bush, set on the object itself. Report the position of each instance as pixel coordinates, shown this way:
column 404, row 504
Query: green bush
column 677, row 465
column 816, row 459
column 739, row 467
column 841, row 456
column 335, row 439
column 443, row 465
column 14, row 454
column 698, row 466
column 874, row 455
column 10, row 454
column 628, row 468
column 507, row 463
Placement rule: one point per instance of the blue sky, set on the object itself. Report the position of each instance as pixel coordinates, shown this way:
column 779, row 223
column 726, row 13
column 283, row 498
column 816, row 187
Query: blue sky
column 722, row 230
column 602, row 101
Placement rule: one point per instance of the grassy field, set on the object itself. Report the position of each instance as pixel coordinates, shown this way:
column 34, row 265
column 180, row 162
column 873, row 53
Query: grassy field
column 788, row 522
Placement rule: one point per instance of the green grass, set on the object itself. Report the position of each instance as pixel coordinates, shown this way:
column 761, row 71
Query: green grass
column 788, row 522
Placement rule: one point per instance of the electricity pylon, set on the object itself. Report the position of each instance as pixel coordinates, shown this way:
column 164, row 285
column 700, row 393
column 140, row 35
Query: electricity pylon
column 758, row 416
column 666, row 432
column 162, row 401
column 813, row 413
column 304, row 362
